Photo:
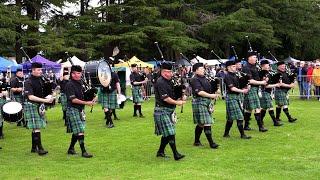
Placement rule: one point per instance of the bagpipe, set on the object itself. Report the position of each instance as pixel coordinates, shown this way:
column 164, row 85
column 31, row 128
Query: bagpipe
column 291, row 75
column 243, row 77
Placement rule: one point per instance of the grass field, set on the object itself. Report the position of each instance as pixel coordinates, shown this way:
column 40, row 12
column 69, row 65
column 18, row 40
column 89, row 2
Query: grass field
column 128, row 150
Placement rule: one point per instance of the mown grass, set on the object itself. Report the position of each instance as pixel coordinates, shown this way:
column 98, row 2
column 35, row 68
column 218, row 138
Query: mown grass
column 128, row 150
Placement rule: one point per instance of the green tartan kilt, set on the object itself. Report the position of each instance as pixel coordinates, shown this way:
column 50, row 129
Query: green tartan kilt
column 266, row 100
column 75, row 123
column 251, row 100
column 2, row 102
column 18, row 98
column 201, row 110
column 163, row 124
column 137, row 94
column 32, row 116
column 241, row 97
column 233, row 108
column 99, row 94
column 63, row 101
column 280, row 97
column 109, row 100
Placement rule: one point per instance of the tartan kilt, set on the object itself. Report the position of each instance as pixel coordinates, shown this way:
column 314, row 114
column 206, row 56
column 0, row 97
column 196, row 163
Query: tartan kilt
column 75, row 124
column 137, row 94
column 201, row 112
column 18, row 98
column 99, row 94
column 266, row 100
column 109, row 100
column 162, row 120
column 32, row 116
column 252, row 100
column 233, row 108
column 241, row 97
column 280, row 97
column 63, row 101
column 2, row 102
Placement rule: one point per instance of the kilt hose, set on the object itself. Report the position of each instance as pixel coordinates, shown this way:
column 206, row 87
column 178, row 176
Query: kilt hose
column 2, row 102
column 201, row 110
column 109, row 100
column 233, row 107
column 75, row 122
column 32, row 116
column 280, row 97
column 266, row 100
column 163, row 123
column 63, row 101
column 137, row 94
column 251, row 100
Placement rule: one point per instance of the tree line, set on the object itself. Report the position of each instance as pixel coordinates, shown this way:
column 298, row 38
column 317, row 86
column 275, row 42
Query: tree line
column 286, row 28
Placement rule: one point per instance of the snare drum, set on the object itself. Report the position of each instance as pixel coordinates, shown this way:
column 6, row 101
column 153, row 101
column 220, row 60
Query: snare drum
column 12, row 112
column 98, row 72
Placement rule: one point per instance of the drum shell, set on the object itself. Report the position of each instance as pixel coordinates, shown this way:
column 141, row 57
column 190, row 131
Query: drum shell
column 98, row 72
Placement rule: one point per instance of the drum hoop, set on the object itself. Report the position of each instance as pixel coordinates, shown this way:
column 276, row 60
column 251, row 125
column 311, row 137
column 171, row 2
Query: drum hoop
column 4, row 109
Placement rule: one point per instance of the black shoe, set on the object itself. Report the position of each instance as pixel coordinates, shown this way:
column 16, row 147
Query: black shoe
column 142, row 116
column 111, row 125
column 116, row 118
column 245, row 137
column 263, row 129
column 178, row 156
column 291, row 120
column 161, row 154
column 279, row 120
column 214, row 146
column 197, row 144
column 277, row 123
column 87, row 155
column 134, row 115
column 0, row 147
column 247, row 128
column 226, row 135
column 19, row 124
column 42, row 152
column 34, row 150
column 71, row 151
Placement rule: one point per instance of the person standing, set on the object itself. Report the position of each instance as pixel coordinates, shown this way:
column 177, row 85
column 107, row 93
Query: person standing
column 251, row 99
column 16, row 89
column 202, row 106
column 233, row 102
column 164, row 111
column 63, row 97
column 266, row 100
column 109, row 98
column 137, row 80
column 281, row 93
column 75, row 111
column 34, row 107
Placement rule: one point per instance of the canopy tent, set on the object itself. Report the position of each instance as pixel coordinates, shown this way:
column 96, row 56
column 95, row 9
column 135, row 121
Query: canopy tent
column 291, row 60
column 210, row 62
column 75, row 61
column 126, row 71
column 5, row 64
column 183, row 62
column 134, row 60
column 47, row 64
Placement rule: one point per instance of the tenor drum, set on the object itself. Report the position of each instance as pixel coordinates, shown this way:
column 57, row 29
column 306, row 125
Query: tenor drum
column 12, row 112
column 98, row 72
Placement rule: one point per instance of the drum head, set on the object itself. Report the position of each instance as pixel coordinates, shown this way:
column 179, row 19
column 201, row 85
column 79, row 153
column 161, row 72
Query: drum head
column 12, row 107
column 104, row 73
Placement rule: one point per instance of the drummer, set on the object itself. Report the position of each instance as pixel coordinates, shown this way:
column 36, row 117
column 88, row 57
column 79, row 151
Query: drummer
column 2, row 102
column 16, row 89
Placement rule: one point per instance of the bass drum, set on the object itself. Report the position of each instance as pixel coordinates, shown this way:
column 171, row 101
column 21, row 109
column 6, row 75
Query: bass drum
column 98, row 72
column 12, row 112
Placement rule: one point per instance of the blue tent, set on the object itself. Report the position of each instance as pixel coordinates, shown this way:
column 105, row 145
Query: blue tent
column 5, row 64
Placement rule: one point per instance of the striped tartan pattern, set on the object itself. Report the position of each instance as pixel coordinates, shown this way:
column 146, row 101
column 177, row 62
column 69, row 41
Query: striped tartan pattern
column 234, row 111
column 2, row 102
column 163, row 124
column 99, row 94
column 32, row 116
column 280, row 97
column 252, row 100
column 266, row 100
column 18, row 98
column 63, row 101
column 75, row 124
column 137, row 94
column 200, row 109
column 109, row 100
